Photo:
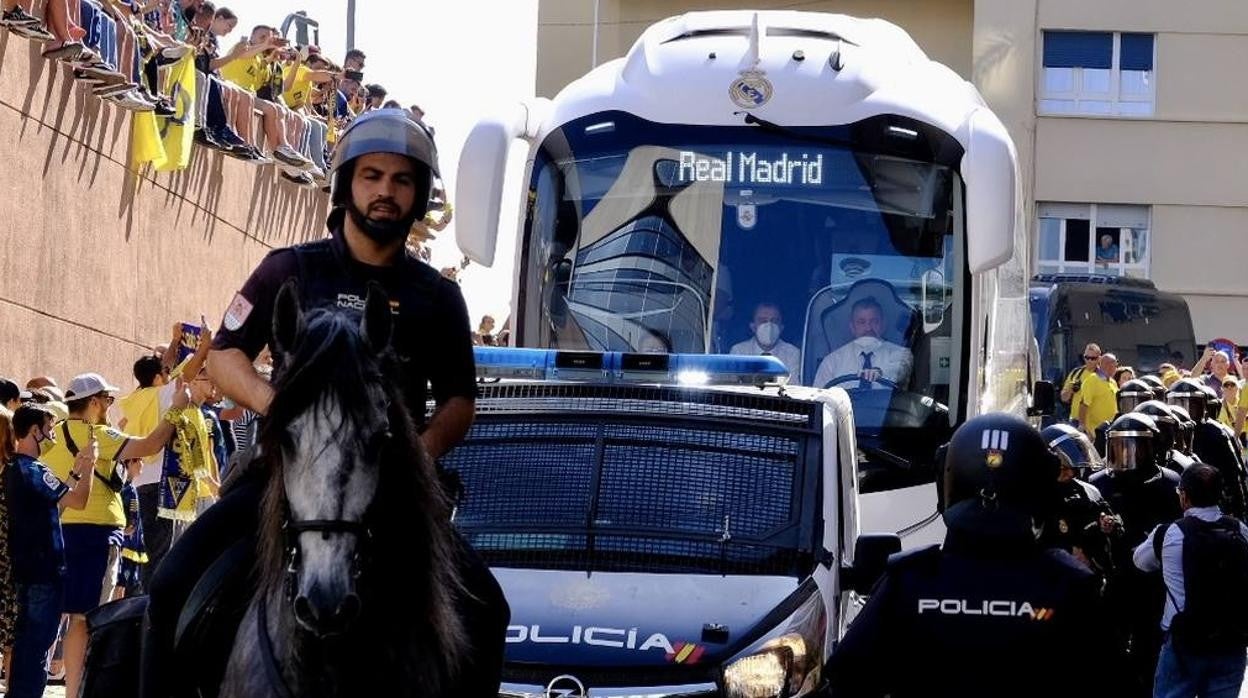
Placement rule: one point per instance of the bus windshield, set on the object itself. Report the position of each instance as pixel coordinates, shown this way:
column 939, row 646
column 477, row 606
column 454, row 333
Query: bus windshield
column 836, row 252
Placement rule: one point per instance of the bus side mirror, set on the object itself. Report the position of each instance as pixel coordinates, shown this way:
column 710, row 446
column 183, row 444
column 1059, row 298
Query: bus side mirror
column 871, row 553
column 1043, row 399
column 989, row 169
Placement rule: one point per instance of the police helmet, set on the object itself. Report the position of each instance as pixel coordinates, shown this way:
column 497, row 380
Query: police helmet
column 1131, row 443
column 1189, row 394
column 384, row 131
column 1186, row 433
column 1158, row 386
column 1133, row 393
column 1003, row 462
column 1072, row 447
column 1167, row 424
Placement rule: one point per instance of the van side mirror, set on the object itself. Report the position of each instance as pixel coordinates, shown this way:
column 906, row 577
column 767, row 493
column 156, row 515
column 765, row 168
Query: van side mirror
column 1043, row 399
column 871, row 553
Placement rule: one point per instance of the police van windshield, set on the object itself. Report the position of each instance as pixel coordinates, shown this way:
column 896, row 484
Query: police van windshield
column 840, row 261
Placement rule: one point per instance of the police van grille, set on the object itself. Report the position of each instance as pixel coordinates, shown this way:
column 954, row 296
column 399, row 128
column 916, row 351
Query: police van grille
column 608, row 677
column 631, row 489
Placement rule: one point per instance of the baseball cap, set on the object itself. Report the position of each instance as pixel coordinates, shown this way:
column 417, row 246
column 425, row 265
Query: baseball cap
column 88, row 385
column 10, row 391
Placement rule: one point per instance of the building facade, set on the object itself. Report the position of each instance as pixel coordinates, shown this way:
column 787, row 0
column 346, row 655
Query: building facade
column 1130, row 118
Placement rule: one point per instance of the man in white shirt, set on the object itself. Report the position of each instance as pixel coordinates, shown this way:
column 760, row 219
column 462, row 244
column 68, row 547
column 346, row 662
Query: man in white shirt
column 868, row 357
column 767, row 326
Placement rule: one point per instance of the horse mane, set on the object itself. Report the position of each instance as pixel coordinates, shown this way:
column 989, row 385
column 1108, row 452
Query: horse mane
column 410, row 514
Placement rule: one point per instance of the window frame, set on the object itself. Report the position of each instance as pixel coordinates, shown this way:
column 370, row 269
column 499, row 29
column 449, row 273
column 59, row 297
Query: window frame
column 1115, row 98
column 1142, row 269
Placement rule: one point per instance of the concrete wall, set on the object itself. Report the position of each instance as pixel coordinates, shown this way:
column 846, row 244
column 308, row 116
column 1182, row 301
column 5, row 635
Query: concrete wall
column 566, row 28
column 99, row 261
column 1186, row 161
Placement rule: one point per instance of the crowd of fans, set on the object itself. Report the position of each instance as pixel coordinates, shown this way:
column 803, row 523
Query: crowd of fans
column 1089, row 392
column 122, row 48
column 128, row 472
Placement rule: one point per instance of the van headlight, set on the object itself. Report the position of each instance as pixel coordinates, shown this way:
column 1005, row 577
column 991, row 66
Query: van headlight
column 785, row 663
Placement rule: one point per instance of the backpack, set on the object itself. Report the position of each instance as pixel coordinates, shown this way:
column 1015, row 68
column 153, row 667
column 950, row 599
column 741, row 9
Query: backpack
column 1215, row 579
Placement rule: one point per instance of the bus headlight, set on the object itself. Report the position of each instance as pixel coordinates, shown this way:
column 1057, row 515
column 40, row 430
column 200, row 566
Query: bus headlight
column 787, row 662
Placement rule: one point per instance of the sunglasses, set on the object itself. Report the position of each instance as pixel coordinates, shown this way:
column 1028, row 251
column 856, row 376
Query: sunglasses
column 1091, row 358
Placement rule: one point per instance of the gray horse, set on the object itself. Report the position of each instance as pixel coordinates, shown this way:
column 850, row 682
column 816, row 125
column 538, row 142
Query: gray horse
column 357, row 560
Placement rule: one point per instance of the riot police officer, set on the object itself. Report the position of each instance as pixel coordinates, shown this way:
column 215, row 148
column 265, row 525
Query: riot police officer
column 980, row 615
column 1158, row 386
column 1133, row 393
column 1213, row 444
column 1082, row 522
column 1144, row 495
column 1186, row 432
column 1168, row 425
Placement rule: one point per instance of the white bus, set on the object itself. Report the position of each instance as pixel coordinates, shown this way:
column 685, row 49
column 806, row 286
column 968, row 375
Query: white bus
column 799, row 162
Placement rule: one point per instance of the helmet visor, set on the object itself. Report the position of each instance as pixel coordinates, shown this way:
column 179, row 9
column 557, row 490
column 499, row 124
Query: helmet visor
column 1128, row 401
column 1129, row 451
column 1194, row 405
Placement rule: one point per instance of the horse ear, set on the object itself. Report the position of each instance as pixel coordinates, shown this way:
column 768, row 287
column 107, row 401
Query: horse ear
column 287, row 318
column 378, row 321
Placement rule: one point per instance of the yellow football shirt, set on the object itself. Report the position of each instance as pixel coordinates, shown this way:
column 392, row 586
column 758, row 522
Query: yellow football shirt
column 1101, row 397
column 297, row 96
column 248, row 73
column 104, row 506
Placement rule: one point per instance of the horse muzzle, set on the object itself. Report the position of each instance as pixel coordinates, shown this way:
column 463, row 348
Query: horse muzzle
column 325, row 613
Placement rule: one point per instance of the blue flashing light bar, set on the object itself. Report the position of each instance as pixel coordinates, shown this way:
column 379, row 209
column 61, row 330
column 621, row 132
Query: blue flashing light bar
column 623, row 367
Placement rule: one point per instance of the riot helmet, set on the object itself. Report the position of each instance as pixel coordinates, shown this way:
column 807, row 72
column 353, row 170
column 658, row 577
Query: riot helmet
column 1073, row 449
column 1158, row 386
column 1132, row 394
column 1189, row 393
column 1003, row 463
column 1185, row 435
column 383, row 131
column 1167, row 424
column 1131, row 444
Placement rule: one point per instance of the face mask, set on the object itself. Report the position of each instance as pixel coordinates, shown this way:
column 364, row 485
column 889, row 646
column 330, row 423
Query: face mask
column 767, row 334
column 45, row 442
column 868, row 343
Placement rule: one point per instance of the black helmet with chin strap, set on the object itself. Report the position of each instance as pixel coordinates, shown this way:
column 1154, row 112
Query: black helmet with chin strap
column 1002, row 462
column 384, row 131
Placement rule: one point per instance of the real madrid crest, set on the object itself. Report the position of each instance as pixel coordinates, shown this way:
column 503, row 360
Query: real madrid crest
column 751, row 90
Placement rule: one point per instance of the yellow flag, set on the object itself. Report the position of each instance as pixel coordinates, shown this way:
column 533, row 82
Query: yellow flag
column 145, row 143
column 178, row 130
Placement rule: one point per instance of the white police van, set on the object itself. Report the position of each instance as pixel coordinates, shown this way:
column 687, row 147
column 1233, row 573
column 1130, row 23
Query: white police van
column 663, row 525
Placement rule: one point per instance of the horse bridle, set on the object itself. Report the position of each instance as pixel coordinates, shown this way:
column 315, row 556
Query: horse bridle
column 292, row 529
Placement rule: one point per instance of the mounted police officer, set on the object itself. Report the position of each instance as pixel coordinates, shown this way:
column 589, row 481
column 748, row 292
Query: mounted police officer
column 382, row 180
column 1143, row 494
column 1169, row 426
column 980, row 615
column 1213, row 444
column 1082, row 522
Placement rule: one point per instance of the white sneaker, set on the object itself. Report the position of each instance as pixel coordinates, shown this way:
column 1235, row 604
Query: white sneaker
column 289, row 156
column 131, row 101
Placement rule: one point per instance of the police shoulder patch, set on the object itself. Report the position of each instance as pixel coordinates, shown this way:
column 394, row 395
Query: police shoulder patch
column 238, row 312
column 50, row 480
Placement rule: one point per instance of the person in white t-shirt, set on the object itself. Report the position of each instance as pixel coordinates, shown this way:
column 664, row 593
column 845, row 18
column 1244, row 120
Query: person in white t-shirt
column 867, row 356
column 767, row 326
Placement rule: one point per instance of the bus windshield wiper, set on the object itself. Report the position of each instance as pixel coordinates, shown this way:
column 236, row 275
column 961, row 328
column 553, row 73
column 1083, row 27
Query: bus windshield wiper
column 779, row 130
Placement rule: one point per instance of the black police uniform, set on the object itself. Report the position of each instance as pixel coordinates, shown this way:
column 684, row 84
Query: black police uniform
column 1076, row 523
column 981, row 616
column 1143, row 500
column 1215, row 445
column 432, row 339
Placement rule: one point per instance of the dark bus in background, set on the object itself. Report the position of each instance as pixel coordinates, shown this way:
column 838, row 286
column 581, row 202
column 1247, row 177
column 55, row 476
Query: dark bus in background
column 1143, row 326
